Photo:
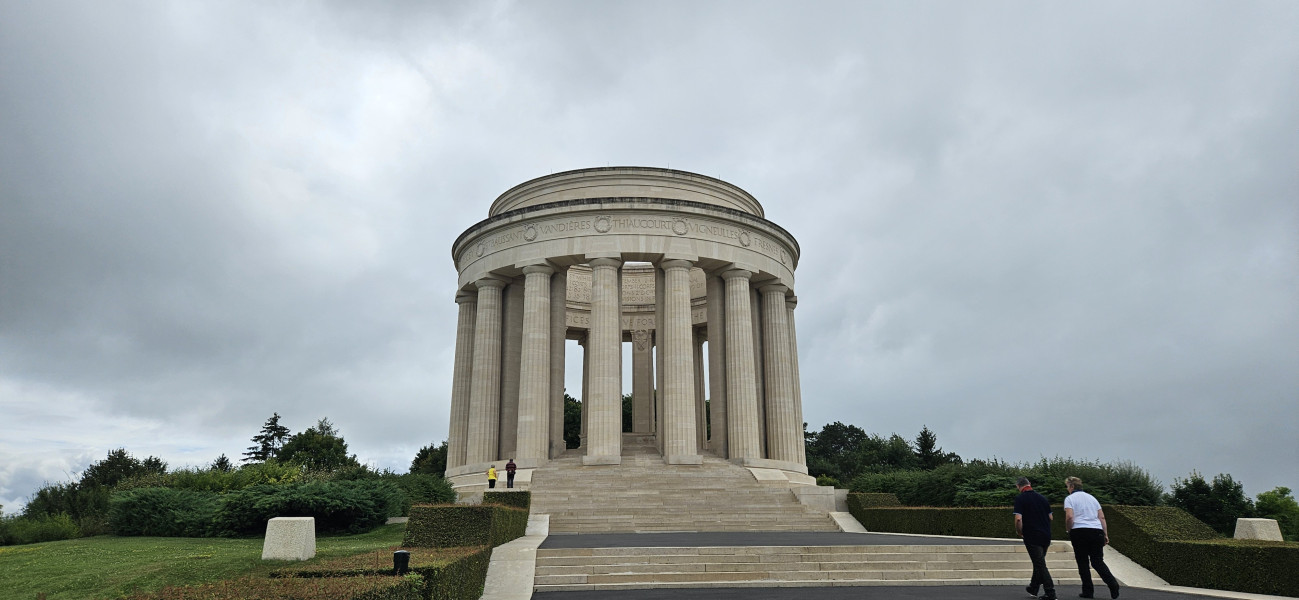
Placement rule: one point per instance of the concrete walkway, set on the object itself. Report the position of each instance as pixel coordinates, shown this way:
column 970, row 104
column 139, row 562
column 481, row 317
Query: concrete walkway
column 951, row 592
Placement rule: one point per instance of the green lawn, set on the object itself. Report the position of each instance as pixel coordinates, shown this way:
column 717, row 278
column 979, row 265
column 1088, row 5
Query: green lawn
column 109, row 566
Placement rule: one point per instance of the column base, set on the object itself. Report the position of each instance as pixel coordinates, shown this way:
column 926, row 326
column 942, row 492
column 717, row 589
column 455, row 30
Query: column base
column 601, row 460
column 684, row 459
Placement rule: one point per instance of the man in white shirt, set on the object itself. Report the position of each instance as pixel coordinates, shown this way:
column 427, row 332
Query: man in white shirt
column 1085, row 522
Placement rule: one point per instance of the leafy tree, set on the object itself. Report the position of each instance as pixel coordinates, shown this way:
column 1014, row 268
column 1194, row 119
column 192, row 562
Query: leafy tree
column 626, row 413
column 929, row 455
column 835, row 451
column 1218, row 504
column 267, row 443
column 1280, row 505
column 430, row 460
column 120, row 465
column 222, row 464
column 572, row 421
column 318, row 448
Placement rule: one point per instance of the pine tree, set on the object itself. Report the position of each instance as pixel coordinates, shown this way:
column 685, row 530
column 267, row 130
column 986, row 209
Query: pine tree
column 268, row 442
column 222, row 464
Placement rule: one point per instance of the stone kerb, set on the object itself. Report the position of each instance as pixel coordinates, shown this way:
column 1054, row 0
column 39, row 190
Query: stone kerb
column 290, row 538
column 1258, row 529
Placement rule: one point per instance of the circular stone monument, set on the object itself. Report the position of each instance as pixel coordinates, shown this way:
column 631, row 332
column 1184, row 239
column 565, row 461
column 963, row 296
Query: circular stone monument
column 661, row 259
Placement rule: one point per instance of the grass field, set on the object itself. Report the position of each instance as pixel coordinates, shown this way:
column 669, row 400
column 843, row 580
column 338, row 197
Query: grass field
column 110, row 567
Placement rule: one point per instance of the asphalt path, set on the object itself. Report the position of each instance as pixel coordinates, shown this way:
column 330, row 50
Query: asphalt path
column 946, row 592
column 757, row 538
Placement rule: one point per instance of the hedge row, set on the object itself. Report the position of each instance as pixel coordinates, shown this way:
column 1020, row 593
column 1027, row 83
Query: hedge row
column 1168, row 541
column 450, row 525
column 338, row 506
column 517, row 499
column 461, row 578
column 872, row 500
column 409, row 587
column 1184, row 551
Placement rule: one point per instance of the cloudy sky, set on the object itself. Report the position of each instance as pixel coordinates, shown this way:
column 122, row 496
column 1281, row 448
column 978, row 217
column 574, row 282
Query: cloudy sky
column 1039, row 229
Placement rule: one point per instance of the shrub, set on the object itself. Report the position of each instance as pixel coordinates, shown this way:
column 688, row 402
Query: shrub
column 1184, row 551
column 989, row 490
column 857, row 501
column 450, row 525
column 86, row 505
column 163, row 512
column 1218, row 504
column 517, row 499
column 410, row 587
column 338, row 506
column 31, row 530
column 976, row 483
column 828, row 481
column 966, row 522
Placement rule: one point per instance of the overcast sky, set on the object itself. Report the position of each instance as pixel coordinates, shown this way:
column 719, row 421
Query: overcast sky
column 1039, row 229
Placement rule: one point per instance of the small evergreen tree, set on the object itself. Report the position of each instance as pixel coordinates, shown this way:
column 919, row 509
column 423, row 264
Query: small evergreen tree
column 267, row 443
column 430, row 460
column 118, row 466
column 929, row 455
column 221, row 464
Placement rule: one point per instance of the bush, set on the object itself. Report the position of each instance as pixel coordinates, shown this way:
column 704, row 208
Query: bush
column 410, row 587
column 425, row 489
column 518, row 499
column 338, row 506
column 976, row 483
column 1218, row 504
column 163, row 512
column 31, row 530
column 451, row 525
column 1184, row 551
column 86, row 505
column 965, row 522
column 863, row 500
column 828, row 481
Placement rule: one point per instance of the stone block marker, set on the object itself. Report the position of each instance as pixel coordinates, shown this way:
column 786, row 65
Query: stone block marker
column 1258, row 529
column 290, row 538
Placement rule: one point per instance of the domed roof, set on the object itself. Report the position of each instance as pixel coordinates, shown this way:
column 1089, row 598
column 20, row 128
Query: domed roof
column 626, row 182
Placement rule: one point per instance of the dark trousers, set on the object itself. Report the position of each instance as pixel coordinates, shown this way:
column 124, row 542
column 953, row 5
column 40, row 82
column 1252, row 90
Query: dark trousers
column 1089, row 547
column 1041, row 576
column 509, row 479
column 491, row 484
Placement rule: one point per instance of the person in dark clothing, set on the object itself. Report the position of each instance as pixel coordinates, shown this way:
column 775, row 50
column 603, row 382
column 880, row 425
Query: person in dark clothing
column 510, row 468
column 1033, row 523
column 1085, row 522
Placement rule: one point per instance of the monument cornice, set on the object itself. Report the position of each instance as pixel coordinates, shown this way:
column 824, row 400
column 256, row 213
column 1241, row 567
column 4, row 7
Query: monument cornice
column 591, row 218
column 613, row 182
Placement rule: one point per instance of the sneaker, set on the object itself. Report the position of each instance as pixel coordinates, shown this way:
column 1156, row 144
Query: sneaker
column 1032, row 593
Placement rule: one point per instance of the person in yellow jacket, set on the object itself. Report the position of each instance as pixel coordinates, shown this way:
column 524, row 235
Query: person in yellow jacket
column 491, row 477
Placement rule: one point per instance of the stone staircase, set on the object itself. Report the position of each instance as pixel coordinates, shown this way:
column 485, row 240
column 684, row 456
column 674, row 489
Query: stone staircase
column 793, row 566
column 644, row 495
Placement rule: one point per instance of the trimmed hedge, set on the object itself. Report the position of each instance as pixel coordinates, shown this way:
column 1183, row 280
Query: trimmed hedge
column 1184, row 551
column 450, row 525
column 964, row 522
column 519, row 499
column 409, row 587
column 461, row 578
column 872, row 500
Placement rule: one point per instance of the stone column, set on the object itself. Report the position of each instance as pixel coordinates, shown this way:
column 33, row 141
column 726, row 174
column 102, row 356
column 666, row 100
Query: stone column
column 511, row 357
column 741, row 386
column 534, row 368
column 586, row 387
column 790, row 303
column 461, row 380
column 758, row 377
column 659, row 287
column 678, row 378
column 642, row 380
column 717, row 365
column 783, row 436
column 604, row 412
column 485, row 390
column 701, row 400
column 558, row 335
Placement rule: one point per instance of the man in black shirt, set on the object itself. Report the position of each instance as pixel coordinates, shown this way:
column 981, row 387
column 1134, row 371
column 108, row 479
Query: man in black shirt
column 1033, row 523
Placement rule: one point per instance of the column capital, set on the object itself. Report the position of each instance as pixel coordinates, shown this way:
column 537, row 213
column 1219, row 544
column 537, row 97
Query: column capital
column 491, row 282
column 676, row 263
column 734, row 273
column 772, row 288
column 466, row 298
column 544, row 269
column 605, row 262
column 791, row 301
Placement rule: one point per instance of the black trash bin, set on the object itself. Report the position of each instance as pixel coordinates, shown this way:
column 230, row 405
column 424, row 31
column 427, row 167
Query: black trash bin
column 400, row 562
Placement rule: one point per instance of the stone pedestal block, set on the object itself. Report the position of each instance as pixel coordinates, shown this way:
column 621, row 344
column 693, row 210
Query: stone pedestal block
column 290, row 538
column 1258, row 529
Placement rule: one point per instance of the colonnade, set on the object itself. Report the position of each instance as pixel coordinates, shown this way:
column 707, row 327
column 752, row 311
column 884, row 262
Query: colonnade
column 508, row 381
